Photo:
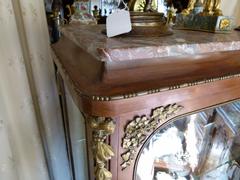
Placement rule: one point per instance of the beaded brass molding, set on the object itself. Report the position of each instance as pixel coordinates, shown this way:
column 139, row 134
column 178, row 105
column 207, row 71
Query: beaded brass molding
column 138, row 129
column 102, row 152
column 152, row 91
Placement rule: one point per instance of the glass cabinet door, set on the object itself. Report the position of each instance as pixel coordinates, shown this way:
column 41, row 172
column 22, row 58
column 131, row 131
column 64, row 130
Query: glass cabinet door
column 203, row 146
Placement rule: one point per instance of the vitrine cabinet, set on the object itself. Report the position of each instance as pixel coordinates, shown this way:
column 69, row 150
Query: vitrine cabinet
column 154, row 106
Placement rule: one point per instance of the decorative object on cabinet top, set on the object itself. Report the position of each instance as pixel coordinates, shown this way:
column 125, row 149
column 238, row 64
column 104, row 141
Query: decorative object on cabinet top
column 204, row 16
column 138, row 129
column 148, row 24
column 145, row 19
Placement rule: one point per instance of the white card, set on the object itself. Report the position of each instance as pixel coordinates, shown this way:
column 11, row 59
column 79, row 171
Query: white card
column 118, row 23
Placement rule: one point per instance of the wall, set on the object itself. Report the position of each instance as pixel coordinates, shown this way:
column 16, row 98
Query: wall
column 31, row 132
column 232, row 8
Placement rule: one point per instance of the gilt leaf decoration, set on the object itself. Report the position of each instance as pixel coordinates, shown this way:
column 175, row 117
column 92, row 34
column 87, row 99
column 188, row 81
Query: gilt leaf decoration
column 138, row 129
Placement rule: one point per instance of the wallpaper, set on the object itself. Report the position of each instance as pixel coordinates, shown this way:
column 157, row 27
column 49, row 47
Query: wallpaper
column 31, row 132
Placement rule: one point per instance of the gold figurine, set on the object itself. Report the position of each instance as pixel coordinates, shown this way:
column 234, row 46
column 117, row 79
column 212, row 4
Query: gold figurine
column 216, row 8
column 189, row 7
column 207, row 7
column 205, row 15
column 212, row 7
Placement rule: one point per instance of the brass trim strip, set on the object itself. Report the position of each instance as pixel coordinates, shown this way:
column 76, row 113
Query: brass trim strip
column 153, row 91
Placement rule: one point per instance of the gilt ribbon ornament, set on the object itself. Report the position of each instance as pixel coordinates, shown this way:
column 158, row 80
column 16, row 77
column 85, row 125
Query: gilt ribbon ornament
column 139, row 128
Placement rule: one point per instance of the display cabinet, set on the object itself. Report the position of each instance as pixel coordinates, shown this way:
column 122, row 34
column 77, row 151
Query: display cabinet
column 155, row 107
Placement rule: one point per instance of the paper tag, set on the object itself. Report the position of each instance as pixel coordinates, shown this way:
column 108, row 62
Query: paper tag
column 118, row 23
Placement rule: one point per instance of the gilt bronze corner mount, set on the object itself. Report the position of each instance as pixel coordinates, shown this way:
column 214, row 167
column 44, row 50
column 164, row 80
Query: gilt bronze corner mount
column 102, row 127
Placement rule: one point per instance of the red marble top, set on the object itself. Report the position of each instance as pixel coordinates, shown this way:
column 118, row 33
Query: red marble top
column 182, row 42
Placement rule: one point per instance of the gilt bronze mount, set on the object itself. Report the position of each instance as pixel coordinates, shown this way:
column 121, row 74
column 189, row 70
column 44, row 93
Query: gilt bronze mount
column 139, row 128
column 102, row 127
column 149, row 24
column 145, row 19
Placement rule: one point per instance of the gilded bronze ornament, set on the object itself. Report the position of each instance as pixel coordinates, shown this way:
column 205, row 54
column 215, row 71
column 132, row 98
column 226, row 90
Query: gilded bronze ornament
column 138, row 129
column 224, row 23
column 102, row 127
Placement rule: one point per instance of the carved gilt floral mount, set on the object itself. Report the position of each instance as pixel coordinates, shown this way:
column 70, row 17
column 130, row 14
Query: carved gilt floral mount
column 139, row 128
column 102, row 152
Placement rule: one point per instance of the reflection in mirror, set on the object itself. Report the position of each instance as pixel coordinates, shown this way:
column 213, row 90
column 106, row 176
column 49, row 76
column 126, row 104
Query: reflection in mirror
column 203, row 146
column 105, row 7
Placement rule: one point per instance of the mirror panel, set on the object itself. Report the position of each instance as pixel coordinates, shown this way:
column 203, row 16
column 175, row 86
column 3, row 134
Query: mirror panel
column 203, row 146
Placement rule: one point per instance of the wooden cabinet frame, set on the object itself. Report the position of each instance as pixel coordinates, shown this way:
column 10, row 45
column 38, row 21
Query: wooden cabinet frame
column 114, row 94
